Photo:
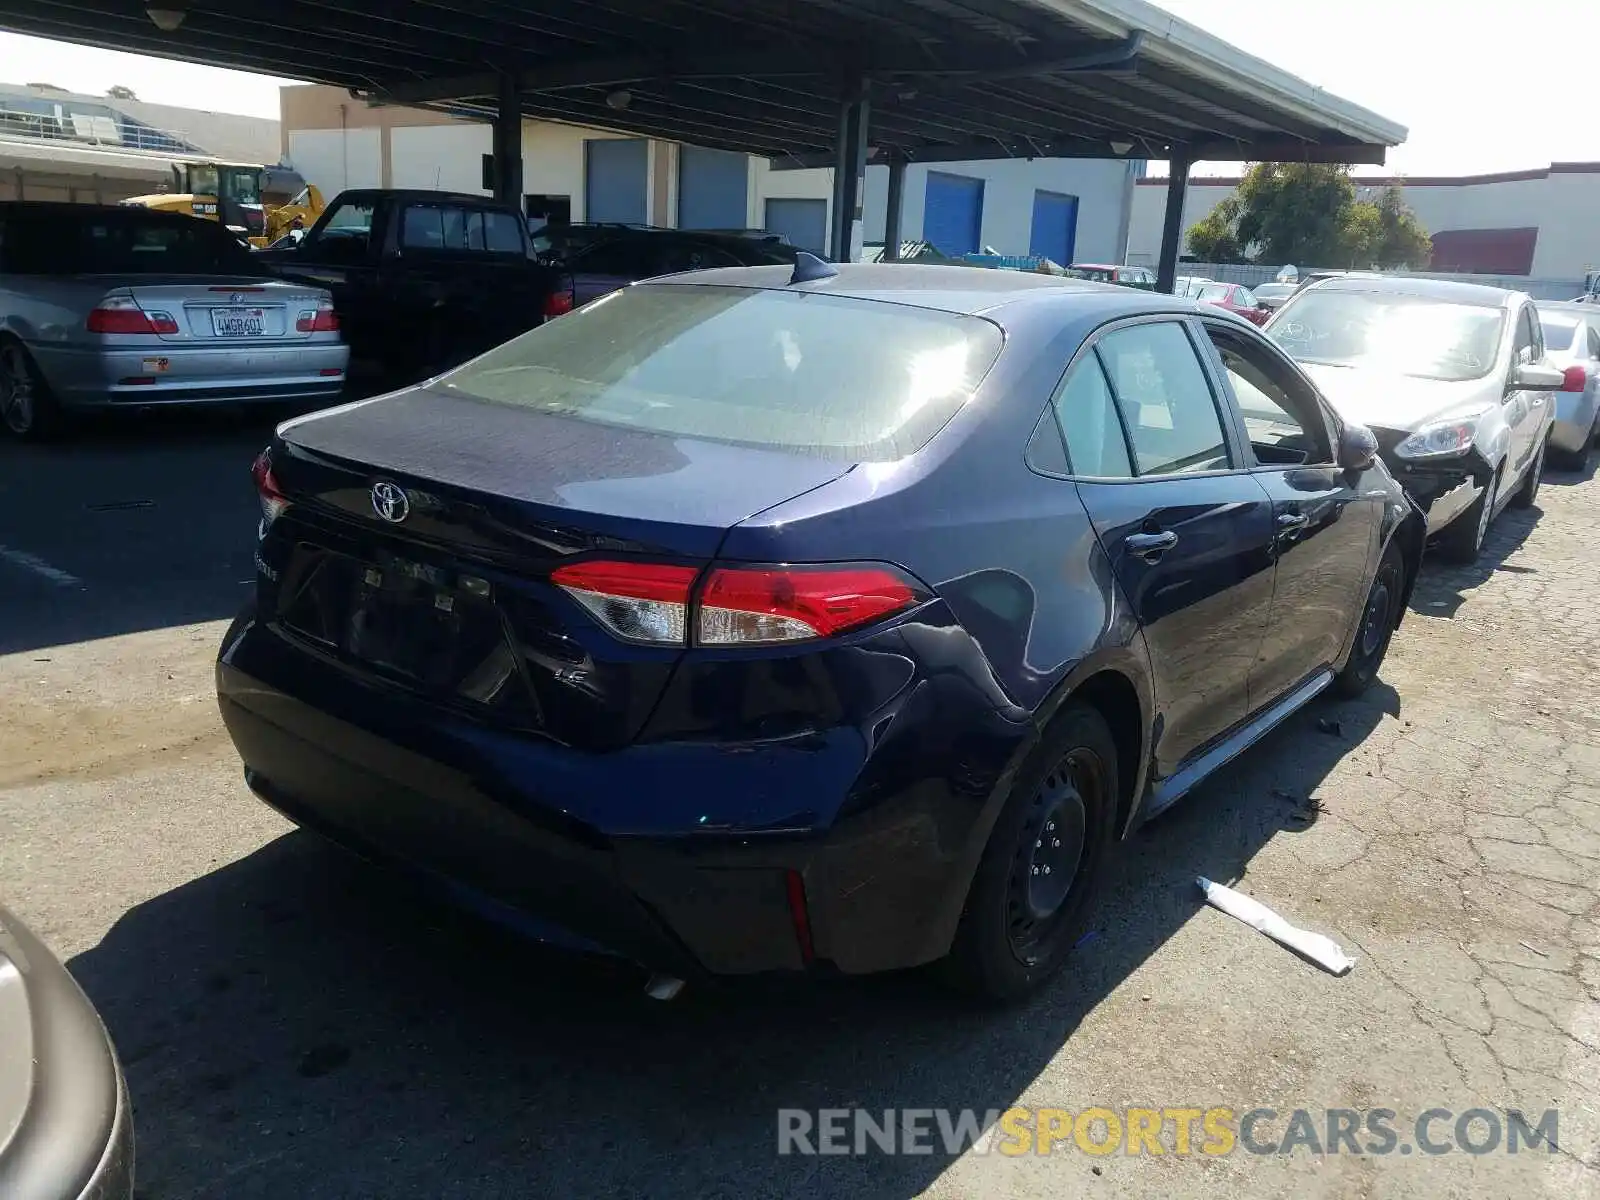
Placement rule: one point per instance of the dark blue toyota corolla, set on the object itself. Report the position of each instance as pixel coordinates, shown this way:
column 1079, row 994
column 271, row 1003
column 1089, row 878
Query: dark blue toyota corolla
column 841, row 619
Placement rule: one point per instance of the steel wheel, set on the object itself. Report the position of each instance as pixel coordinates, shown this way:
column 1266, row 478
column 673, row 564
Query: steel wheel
column 1049, row 852
column 18, row 389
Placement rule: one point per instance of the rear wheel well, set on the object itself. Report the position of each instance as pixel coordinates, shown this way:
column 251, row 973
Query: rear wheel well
column 1112, row 695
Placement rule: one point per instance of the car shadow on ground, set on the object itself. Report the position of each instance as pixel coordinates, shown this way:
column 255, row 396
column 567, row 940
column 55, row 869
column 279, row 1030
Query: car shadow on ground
column 298, row 1023
column 1443, row 587
column 140, row 520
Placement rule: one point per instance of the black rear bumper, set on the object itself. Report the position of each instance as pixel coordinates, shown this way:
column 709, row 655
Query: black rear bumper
column 397, row 808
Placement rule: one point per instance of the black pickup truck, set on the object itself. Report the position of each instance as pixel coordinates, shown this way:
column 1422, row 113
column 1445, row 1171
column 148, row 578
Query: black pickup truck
column 423, row 280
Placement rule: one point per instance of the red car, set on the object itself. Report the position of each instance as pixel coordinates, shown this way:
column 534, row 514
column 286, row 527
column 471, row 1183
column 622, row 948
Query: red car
column 1234, row 297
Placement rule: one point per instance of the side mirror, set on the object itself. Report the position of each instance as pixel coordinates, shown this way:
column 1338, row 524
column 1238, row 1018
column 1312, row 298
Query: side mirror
column 1536, row 377
column 1358, row 448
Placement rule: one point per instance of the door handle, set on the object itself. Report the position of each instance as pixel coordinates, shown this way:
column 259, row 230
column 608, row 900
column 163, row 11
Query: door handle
column 1150, row 546
column 1292, row 522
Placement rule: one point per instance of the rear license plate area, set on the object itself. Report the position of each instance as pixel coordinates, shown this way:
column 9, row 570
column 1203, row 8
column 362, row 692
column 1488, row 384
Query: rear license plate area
column 433, row 628
column 238, row 322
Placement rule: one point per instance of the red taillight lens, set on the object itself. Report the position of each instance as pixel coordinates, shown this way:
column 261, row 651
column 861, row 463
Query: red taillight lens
column 321, row 319
column 558, row 304
column 1574, row 379
column 122, row 314
column 742, row 605
column 273, row 501
column 737, row 606
column 639, row 601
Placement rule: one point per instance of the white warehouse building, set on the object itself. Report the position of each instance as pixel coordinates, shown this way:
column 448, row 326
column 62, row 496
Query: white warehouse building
column 1540, row 224
column 1066, row 209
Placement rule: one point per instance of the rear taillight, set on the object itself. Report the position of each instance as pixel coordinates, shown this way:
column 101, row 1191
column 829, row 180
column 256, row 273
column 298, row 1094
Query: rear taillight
column 558, row 304
column 740, row 605
column 1574, row 379
column 736, row 605
column 321, row 319
column 273, row 501
column 642, row 602
column 122, row 314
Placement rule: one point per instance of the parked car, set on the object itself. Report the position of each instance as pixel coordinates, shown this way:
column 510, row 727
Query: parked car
column 423, row 280
column 1134, row 277
column 1272, row 295
column 1234, row 297
column 1185, row 285
column 114, row 307
column 606, row 626
column 1572, row 340
column 599, row 261
column 66, row 1128
column 1453, row 379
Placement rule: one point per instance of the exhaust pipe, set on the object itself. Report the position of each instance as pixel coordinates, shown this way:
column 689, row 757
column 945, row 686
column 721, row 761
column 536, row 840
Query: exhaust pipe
column 663, row 987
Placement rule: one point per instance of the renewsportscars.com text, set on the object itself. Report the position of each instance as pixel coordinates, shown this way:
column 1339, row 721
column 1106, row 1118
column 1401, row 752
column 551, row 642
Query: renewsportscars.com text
column 1214, row 1131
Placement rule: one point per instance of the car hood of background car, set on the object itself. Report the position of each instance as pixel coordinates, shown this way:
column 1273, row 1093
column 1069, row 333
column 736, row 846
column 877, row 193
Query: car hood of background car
column 1385, row 400
column 562, row 462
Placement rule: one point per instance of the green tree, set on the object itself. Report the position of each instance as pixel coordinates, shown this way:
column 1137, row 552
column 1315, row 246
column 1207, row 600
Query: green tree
column 1308, row 213
column 1404, row 242
column 1215, row 238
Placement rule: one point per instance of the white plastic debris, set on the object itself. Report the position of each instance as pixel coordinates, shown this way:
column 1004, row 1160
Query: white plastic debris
column 1323, row 951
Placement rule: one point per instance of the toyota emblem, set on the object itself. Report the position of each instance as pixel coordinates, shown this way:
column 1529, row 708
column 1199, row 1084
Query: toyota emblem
column 236, row 298
column 389, row 501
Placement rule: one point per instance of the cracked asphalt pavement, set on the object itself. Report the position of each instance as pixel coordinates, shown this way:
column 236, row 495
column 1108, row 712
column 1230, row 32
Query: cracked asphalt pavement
column 296, row 1023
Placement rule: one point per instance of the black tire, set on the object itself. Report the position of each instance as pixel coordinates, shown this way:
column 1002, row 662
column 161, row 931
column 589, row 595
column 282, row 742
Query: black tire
column 28, row 410
column 1016, row 931
column 1528, row 492
column 1379, row 616
column 1462, row 539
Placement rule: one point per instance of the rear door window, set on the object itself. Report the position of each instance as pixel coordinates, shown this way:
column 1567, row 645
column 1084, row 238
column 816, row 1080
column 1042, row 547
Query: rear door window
column 1165, row 399
column 1087, row 412
column 828, row 376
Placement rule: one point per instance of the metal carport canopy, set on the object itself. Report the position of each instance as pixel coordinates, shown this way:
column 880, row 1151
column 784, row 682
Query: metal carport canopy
column 802, row 82
column 948, row 80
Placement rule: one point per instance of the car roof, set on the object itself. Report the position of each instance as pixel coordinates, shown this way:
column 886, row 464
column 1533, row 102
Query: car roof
column 418, row 196
column 949, row 288
column 1447, row 291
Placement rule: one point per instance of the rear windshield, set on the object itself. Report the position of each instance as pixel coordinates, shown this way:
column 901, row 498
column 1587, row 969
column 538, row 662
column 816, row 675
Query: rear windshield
column 124, row 242
column 1558, row 334
column 829, row 376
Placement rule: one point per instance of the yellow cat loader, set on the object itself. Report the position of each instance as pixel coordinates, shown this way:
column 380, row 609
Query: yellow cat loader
column 259, row 204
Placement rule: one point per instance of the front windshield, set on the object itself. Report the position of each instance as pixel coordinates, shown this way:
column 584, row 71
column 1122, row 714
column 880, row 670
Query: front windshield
column 1397, row 334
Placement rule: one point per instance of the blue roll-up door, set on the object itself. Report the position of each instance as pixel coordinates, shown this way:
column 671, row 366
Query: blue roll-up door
column 803, row 222
column 952, row 213
column 713, row 189
column 1055, row 227
column 616, row 179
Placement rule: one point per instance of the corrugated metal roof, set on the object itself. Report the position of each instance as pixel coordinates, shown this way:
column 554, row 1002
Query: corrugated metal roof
column 946, row 79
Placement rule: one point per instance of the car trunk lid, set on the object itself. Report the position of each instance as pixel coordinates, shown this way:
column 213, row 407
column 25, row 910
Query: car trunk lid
column 225, row 311
column 421, row 530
